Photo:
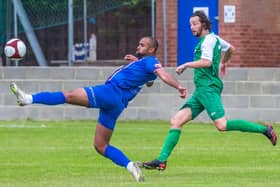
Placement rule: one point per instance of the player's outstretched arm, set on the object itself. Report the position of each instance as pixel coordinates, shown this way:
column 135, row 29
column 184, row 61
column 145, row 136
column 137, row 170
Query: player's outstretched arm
column 202, row 63
column 171, row 81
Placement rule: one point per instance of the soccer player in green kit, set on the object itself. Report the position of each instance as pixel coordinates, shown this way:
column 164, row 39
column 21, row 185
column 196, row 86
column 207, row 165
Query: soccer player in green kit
column 208, row 89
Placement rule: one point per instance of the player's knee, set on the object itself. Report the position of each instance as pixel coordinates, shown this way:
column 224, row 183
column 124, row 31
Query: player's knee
column 72, row 97
column 221, row 129
column 174, row 123
column 99, row 148
column 221, row 126
column 69, row 95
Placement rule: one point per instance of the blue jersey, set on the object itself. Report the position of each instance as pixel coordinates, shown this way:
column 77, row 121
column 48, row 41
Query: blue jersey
column 121, row 87
column 131, row 77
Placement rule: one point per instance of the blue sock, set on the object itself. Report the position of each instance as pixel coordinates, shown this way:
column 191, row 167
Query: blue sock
column 49, row 98
column 116, row 155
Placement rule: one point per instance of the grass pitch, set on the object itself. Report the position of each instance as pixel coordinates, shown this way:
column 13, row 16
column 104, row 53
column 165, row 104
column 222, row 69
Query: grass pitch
column 60, row 154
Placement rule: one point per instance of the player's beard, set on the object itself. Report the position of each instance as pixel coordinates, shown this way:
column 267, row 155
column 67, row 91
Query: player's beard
column 139, row 56
column 199, row 32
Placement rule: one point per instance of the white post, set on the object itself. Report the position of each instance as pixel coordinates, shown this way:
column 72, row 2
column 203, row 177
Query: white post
column 164, row 25
column 153, row 17
column 70, row 32
column 15, row 29
column 30, row 33
column 15, row 23
column 85, row 21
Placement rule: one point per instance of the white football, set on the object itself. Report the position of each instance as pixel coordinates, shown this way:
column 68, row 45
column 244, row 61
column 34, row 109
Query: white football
column 15, row 49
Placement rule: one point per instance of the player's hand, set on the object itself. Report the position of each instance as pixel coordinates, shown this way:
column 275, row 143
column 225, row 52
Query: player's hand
column 222, row 69
column 180, row 69
column 130, row 57
column 183, row 92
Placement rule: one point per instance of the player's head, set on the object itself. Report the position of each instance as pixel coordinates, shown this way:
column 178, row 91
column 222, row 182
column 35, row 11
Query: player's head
column 199, row 22
column 147, row 46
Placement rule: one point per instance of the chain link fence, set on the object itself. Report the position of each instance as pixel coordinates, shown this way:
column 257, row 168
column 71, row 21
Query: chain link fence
column 48, row 13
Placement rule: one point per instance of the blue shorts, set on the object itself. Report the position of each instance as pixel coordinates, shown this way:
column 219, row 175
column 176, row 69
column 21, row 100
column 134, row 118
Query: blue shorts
column 109, row 100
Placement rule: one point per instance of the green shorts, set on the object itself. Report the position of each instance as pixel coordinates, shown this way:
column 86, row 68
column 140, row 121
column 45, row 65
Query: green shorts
column 205, row 99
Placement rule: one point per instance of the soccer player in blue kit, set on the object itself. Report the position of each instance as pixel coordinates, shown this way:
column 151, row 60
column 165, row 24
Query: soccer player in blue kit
column 111, row 98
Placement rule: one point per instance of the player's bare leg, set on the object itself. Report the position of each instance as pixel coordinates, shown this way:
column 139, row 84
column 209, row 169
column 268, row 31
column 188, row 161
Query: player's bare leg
column 77, row 97
column 102, row 138
column 221, row 124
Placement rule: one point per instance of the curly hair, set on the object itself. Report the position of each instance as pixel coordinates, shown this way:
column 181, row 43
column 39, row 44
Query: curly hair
column 203, row 19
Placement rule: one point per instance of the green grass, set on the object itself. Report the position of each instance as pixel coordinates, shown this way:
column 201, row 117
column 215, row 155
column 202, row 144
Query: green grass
column 60, row 154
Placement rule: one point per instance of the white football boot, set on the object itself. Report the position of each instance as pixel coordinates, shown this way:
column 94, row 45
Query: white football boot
column 137, row 172
column 22, row 97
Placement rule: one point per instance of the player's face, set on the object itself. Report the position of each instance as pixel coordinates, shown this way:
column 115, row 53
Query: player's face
column 196, row 26
column 143, row 47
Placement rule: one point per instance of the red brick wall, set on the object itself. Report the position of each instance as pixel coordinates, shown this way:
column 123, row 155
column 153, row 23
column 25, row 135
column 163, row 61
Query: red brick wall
column 255, row 34
column 171, row 31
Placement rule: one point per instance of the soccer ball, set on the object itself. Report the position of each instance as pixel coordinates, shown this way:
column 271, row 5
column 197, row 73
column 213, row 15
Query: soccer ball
column 15, row 49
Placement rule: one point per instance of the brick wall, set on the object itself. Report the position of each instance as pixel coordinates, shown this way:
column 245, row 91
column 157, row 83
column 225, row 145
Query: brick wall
column 256, row 32
column 171, row 31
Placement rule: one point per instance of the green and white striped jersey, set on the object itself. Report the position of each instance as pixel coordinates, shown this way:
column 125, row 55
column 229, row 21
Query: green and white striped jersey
column 209, row 47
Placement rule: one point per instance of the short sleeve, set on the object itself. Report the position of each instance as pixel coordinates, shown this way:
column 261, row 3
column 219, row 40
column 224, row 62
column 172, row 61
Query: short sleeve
column 152, row 64
column 207, row 47
column 224, row 44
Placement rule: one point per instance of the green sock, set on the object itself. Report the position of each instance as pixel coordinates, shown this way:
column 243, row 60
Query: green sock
column 169, row 144
column 245, row 126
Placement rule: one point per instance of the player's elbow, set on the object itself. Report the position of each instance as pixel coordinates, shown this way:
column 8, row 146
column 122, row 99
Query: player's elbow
column 232, row 49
